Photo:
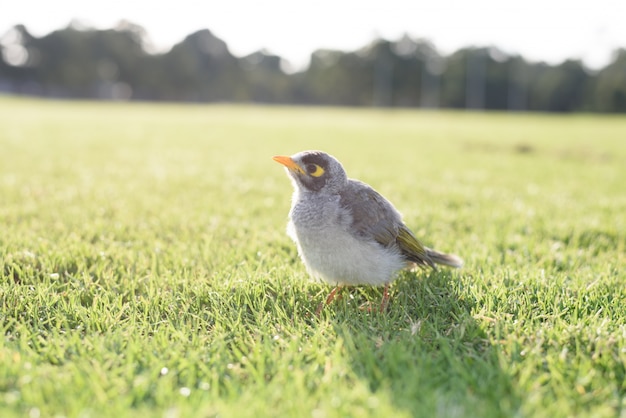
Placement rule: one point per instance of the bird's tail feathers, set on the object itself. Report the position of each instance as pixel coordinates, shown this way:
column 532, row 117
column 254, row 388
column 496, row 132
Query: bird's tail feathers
column 444, row 259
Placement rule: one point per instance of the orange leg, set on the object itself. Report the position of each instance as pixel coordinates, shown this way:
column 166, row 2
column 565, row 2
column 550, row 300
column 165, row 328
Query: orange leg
column 331, row 295
column 329, row 299
column 385, row 302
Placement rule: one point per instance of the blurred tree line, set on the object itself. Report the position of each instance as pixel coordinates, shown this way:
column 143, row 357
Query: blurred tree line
column 115, row 64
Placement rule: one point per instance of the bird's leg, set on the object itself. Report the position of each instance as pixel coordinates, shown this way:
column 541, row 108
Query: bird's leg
column 385, row 301
column 331, row 295
column 368, row 306
column 329, row 299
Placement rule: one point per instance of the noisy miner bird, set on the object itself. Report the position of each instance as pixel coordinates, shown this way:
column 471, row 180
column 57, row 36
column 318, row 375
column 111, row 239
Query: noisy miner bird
column 345, row 231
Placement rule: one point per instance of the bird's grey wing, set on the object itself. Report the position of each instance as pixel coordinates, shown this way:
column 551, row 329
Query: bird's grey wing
column 373, row 217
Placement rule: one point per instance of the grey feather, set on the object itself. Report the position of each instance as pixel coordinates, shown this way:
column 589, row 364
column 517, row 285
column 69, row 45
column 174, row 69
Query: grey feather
column 373, row 217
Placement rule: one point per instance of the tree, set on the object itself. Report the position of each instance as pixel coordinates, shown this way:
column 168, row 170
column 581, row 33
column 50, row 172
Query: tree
column 559, row 89
column 266, row 82
column 80, row 62
column 609, row 88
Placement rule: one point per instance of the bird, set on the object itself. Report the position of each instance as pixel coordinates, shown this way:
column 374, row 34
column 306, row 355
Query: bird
column 346, row 233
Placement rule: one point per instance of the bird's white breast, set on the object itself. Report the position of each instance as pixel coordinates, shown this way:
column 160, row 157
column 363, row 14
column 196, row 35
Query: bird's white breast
column 330, row 252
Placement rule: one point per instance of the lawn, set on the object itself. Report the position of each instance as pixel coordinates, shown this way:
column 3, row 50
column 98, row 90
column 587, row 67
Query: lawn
column 146, row 270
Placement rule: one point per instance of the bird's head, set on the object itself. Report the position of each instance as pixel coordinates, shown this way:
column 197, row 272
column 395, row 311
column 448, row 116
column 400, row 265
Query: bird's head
column 314, row 171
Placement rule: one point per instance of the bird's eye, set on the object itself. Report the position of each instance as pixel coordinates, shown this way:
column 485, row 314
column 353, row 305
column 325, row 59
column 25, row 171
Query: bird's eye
column 314, row 170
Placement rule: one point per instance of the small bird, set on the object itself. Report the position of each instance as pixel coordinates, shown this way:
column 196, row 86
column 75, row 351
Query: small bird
column 346, row 232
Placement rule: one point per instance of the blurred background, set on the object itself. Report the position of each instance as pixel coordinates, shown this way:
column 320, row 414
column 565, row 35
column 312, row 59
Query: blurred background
column 561, row 56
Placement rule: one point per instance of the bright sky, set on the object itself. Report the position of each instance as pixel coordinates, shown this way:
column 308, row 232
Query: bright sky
column 540, row 30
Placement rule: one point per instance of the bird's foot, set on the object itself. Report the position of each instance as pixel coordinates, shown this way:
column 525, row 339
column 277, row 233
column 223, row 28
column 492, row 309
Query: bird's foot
column 384, row 304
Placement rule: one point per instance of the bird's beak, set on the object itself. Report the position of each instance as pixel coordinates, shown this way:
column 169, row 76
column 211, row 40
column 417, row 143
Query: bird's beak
column 289, row 163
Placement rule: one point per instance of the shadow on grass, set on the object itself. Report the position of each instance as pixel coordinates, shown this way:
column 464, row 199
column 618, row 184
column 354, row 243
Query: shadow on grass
column 427, row 353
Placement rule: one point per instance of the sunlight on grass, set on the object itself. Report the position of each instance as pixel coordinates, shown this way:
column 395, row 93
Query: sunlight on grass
column 146, row 269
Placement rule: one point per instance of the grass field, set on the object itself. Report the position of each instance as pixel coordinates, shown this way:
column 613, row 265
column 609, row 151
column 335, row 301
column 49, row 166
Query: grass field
column 146, row 269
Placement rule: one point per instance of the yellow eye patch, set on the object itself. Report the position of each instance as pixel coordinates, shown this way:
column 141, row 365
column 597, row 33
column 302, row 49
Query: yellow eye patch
column 314, row 170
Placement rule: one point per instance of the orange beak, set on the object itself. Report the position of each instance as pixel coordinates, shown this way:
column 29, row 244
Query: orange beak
column 289, row 163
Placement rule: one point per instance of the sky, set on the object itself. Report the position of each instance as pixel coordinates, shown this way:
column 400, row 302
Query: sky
column 539, row 30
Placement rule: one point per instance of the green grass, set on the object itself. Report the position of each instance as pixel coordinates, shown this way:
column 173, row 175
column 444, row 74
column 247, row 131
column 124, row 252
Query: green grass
column 145, row 267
